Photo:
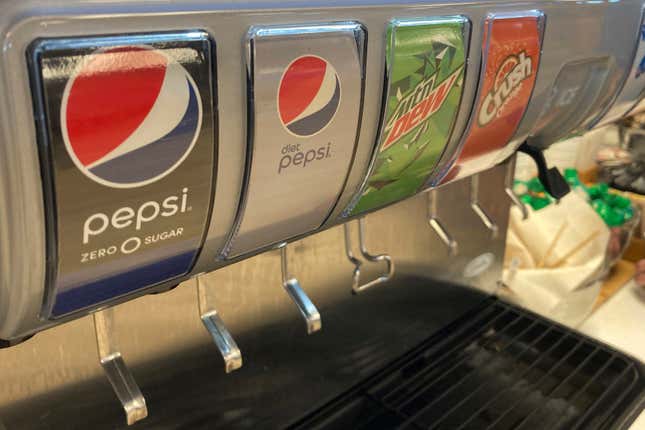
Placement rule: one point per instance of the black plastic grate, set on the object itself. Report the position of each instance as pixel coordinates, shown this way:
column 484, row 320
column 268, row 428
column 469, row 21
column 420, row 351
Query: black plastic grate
column 499, row 367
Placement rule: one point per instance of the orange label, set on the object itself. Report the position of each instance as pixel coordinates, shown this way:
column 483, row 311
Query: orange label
column 511, row 51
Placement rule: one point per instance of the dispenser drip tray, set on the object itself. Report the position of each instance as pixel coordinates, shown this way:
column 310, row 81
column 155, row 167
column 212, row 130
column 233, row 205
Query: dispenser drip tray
column 498, row 367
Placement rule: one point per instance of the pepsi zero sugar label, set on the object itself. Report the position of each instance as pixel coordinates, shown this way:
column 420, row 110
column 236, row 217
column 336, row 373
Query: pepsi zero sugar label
column 128, row 156
column 425, row 66
column 306, row 89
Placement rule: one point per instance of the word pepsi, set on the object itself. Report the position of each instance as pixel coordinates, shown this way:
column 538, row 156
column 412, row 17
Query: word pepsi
column 126, row 216
column 295, row 157
column 415, row 108
column 510, row 75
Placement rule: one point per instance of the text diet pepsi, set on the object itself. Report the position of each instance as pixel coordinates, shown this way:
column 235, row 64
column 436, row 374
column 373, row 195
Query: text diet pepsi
column 127, row 143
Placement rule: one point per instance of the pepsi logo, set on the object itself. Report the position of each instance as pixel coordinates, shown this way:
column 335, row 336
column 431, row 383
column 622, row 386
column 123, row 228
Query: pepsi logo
column 130, row 115
column 309, row 95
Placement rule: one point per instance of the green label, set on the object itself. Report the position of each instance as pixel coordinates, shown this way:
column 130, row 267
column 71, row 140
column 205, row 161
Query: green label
column 425, row 62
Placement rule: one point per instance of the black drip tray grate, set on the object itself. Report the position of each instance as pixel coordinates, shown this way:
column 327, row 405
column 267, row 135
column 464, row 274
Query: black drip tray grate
column 498, row 367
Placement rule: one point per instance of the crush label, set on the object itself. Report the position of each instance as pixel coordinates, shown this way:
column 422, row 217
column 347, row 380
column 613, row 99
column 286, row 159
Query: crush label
column 511, row 55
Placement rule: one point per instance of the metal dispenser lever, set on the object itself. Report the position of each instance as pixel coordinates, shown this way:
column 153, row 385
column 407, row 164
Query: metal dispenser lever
column 218, row 331
column 437, row 226
column 508, row 189
column 292, row 286
column 481, row 213
column 120, row 377
column 356, row 286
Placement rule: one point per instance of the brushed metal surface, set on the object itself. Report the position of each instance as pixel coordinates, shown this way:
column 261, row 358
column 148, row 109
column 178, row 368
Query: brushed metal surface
column 54, row 380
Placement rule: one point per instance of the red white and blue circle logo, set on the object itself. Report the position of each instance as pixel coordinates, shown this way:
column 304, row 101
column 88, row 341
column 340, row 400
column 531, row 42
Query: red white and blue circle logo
column 309, row 95
column 130, row 115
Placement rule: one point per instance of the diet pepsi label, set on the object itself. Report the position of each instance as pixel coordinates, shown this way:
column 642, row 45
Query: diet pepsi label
column 128, row 153
column 307, row 84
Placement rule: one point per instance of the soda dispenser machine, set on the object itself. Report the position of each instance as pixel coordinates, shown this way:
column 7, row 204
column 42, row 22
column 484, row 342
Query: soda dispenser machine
column 348, row 165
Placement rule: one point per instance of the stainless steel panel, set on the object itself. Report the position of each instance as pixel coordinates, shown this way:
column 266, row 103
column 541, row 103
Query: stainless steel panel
column 54, row 380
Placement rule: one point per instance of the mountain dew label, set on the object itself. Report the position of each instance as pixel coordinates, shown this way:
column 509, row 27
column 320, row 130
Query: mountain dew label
column 425, row 66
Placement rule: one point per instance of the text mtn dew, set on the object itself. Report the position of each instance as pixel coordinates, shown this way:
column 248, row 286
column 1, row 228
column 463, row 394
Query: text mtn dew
column 425, row 61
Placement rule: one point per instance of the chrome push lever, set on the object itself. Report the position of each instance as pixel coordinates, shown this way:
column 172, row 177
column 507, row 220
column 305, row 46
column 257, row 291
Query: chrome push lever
column 356, row 278
column 517, row 202
column 306, row 307
column 120, row 377
column 218, row 331
column 508, row 189
column 437, row 225
column 476, row 207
